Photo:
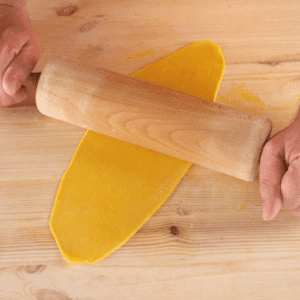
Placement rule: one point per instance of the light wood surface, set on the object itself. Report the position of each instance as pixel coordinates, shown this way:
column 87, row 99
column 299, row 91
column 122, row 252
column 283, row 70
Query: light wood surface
column 212, row 135
column 208, row 241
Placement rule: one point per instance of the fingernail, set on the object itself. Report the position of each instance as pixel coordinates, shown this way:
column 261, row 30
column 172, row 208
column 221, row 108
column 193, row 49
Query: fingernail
column 265, row 216
column 12, row 88
column 5, row 88
column 277, row 208
column 265, row 212
column 270, row 213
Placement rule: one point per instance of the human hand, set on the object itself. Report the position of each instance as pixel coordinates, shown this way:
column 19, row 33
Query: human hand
column 19, row 53
column 280, row 172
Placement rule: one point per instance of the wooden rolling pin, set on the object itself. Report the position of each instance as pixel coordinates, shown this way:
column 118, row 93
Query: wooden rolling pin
column 208, row 134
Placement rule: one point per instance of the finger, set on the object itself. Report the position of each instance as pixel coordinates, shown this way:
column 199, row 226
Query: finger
column 20, row 96
column 19, row 69
column 272, row 169
column 11, row 42
column 6, row 100
column 290, row 186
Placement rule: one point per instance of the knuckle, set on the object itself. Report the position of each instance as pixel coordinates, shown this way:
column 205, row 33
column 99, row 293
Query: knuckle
column 10, row 33
column 265, row 184
column 22, row 74
column 267, row 189
column 12, row 37
column 270, row 148
column 33, row 51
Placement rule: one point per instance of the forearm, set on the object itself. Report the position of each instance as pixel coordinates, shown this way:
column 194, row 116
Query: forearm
column 16, row 3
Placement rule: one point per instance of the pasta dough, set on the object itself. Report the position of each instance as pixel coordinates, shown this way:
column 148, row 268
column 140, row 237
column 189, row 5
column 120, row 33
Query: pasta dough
column 111, row 187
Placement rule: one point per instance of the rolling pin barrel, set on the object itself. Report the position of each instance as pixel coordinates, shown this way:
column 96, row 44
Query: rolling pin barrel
column 205, row 133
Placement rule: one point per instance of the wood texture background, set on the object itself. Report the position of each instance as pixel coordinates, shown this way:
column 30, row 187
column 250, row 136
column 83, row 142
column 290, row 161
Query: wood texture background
column 208, row 241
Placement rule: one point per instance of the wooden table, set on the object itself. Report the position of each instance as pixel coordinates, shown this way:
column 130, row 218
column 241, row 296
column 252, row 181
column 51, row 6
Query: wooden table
column 208, row 240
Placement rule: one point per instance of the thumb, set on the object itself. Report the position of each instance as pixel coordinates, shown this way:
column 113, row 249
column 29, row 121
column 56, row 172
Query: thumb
column 290, row 186
column 20, row 68
column 272, row 169
column 11, row 42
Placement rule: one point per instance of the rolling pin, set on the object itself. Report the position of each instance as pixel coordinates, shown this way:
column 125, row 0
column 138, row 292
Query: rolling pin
column 212, row 135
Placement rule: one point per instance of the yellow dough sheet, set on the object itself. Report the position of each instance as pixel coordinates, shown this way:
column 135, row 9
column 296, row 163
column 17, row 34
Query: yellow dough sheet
column 111, row 187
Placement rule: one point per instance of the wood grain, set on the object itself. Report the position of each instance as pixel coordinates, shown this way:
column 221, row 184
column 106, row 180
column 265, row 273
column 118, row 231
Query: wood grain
column 208, row 241
column 212, row 135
